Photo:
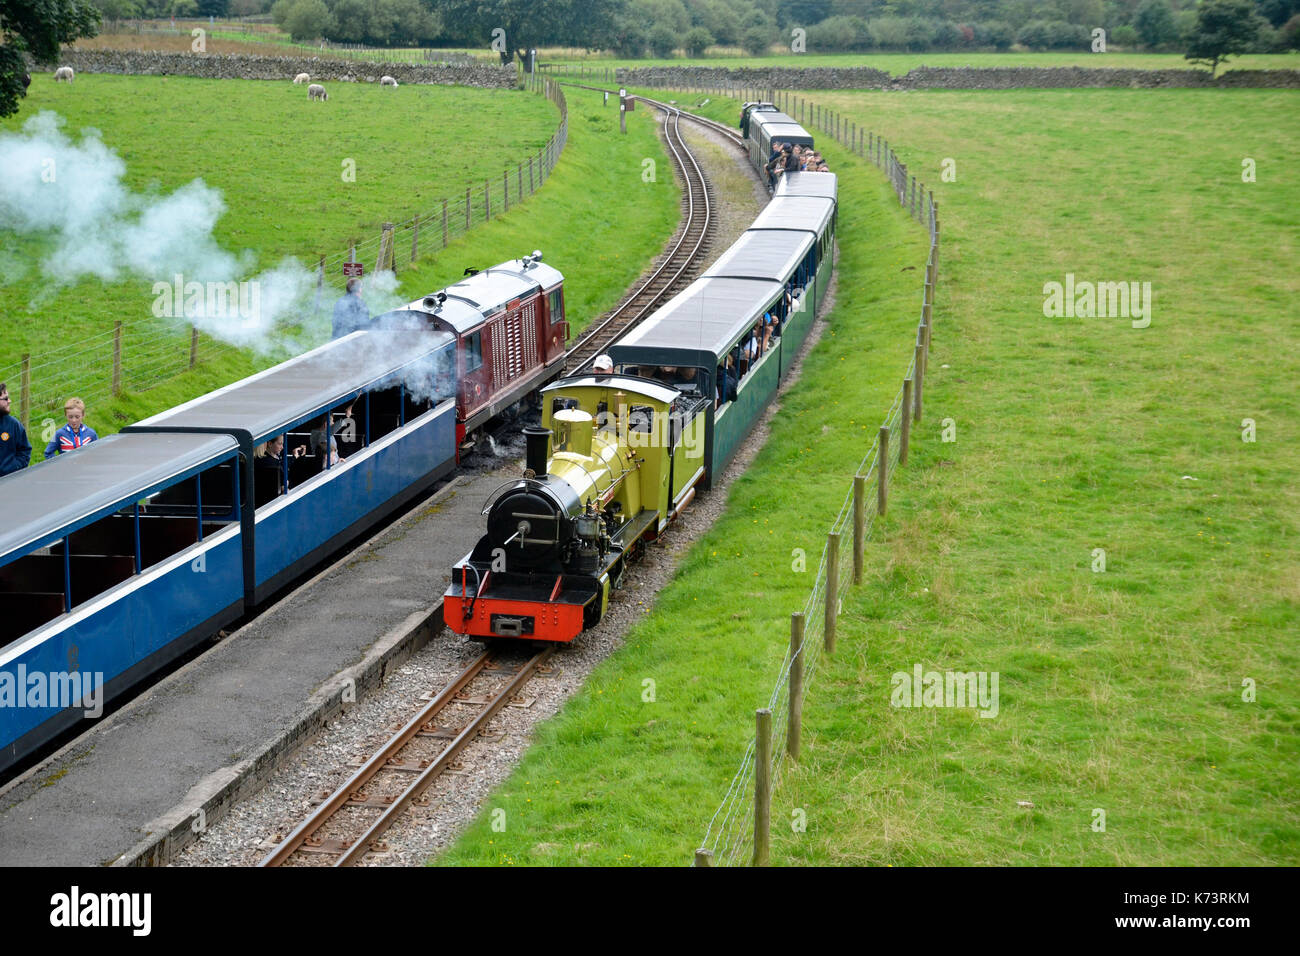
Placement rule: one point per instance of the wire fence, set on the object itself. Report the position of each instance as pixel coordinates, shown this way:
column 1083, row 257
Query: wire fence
column 739, row 831
column 139, row 354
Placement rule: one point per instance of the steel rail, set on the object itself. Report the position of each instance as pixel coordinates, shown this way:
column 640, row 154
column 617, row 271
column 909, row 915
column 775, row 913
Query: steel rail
column 698, row 220
column 341, row 797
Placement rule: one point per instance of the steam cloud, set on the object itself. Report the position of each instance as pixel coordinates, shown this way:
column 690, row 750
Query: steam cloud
column 72, row 193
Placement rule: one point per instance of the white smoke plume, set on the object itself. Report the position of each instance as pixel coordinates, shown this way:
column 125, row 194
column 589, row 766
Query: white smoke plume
column 71, row 193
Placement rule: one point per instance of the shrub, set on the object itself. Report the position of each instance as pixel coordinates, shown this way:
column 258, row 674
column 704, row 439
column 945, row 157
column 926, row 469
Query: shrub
column 1155, row 23
column 995, row 33
column 663, row 41
column 1124, row 35
column 756, row 40
column 698, row 40
column 839, row 33
column 889, row 33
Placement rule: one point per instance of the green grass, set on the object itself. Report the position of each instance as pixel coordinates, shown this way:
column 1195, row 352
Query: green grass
column 1119, row 691
column 281, row 180
column 897, row 64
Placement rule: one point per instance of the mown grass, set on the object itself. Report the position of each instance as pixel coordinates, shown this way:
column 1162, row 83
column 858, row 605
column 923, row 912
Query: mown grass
column 897, row 64
column 282, row 185
column 1120, row 690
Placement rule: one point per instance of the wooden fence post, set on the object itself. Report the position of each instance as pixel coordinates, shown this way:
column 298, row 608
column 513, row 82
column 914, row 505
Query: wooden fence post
column 469, row 205
column 859, row 524
column 918, row 361
column 25, row 390
column 487, row 201
column 832, row 587
column 882, row 473
column 905, row 422
column 117, row 357
column 762, row 786
column 415, row 239
column 194, row 345
column 385, row 247
column 794, row 729
column 703, row 857
column 505, row 191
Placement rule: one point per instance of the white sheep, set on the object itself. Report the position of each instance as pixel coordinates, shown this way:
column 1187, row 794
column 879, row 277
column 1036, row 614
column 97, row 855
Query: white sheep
column 317, row 92
column 301, row 78
column 387, row 81
column 64, row 73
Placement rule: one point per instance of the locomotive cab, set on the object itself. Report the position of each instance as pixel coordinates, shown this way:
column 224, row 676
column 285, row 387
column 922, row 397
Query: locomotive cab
column 598, row 484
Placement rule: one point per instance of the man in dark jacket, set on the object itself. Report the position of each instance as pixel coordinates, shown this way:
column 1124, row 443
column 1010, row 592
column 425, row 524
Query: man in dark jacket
column 350, row 312
column 15, row 449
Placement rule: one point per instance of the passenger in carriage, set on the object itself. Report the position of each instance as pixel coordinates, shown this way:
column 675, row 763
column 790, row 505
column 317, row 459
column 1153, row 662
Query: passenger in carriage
column 317, row 440
column 268, row 468
column 75, row 433
column 727, row 381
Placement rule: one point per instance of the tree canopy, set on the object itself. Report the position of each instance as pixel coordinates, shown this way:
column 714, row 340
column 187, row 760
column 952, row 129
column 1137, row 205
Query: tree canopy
column 38, row 27
column 1223, row 28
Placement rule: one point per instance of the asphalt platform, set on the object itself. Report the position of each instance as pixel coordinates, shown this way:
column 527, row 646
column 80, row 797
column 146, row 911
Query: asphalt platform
column 135, row 787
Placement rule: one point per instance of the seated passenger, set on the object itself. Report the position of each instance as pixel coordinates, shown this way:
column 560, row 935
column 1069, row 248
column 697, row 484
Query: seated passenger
column 268, row 468
column 602, row 365
column 727, row 381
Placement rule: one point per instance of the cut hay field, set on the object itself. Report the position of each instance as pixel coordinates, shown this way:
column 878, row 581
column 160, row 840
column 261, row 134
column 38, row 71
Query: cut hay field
column 1161, row 690
column 278, row 161
column 899, row 63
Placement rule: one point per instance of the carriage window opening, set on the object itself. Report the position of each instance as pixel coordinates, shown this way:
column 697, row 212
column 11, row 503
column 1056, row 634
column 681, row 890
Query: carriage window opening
column 474, row 352
column 557, row 306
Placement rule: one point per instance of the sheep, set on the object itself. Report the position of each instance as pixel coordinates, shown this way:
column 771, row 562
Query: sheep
column 317, row 92
column 64, row 73
column 387, row 81
column 301, row 78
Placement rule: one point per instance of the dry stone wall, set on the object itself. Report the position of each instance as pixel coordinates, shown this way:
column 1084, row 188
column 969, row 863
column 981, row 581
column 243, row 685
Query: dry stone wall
column 950, row 78
column 245, row 67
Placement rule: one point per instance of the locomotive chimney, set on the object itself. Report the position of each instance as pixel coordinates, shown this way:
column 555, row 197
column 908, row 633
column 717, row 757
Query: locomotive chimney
column 537, row 439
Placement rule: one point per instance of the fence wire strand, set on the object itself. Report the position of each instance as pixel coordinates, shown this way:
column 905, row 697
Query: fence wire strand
column 729, row 836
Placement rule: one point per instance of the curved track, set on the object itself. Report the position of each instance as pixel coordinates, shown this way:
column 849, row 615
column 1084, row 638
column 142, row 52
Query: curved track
column 676, row 267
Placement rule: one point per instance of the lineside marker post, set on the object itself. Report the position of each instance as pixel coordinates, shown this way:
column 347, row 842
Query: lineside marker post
column 795, row 730
column 117, row 357
column 703, row 857
column 859, row 524
column 832, row 587
column 762, row 786
column 905, row 422
column 882, row 473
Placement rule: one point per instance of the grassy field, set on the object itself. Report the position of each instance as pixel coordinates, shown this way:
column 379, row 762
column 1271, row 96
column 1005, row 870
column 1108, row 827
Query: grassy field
column 1120, row 690
column 899, row 63
column 280, row 178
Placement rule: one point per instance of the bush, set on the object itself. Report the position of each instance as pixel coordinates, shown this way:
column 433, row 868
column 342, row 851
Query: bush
column 307, row 20
column 946, row 35
column 1291, row 33
column 632, row 40
column 663, row 41
column 1124, row 36
column 1155, row 23
column 889, row 33
column 839, row 33
column 995, row 33
column 698, row 40
column 1054, row 35
column 920, row 35
column 757, row 40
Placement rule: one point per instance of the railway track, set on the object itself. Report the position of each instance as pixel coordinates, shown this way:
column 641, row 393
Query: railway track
column 349, row 822
column 676, row 267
